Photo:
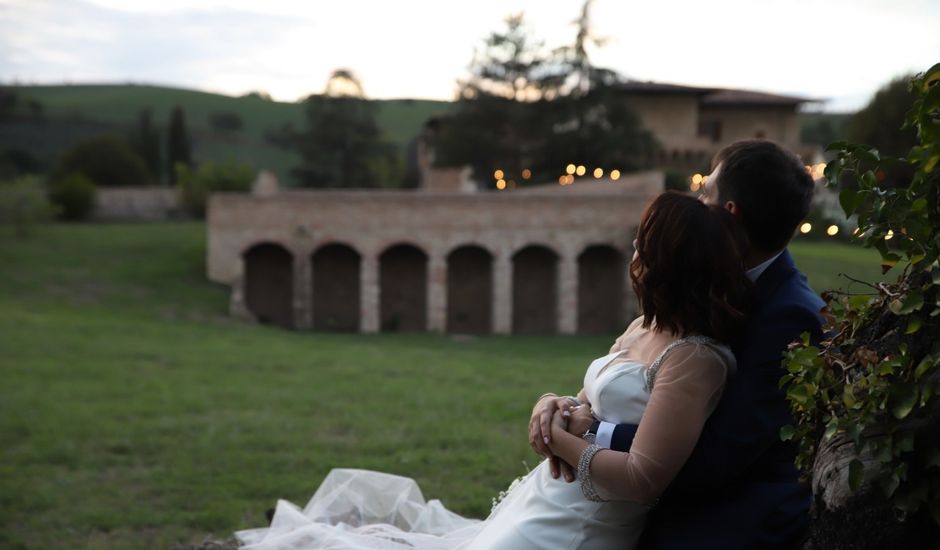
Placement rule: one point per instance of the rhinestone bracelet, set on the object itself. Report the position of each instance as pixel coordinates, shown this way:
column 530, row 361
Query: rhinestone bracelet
column 584, row 473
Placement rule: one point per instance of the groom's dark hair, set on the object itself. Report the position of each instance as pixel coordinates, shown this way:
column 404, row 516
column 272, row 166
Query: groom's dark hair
column 769, row 185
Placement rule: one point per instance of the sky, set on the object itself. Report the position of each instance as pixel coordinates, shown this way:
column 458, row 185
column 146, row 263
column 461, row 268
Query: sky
column 840, row 51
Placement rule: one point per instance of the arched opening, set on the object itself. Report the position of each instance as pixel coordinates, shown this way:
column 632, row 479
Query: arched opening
column 469, row 290
column 403, row 283
column 534, row 291
column 335, row 289
column 601, row 275
column 269, row 284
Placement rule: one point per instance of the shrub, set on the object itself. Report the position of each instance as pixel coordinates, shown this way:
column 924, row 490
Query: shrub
column 676, row 180
column 73, row 195
column 107, row 161
column 23, row 203
column 195, row 185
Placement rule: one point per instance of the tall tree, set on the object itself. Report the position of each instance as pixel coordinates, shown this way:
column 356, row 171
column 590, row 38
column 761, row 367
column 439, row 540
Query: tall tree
column 145, row 139
column 342, row 146
column 178, row 148
column 529, row 112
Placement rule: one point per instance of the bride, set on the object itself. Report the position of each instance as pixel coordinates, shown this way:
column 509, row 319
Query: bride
column 666, row 373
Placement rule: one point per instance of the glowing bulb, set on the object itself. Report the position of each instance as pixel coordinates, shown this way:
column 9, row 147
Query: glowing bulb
column 526, row 174
column 498, row 175
column 500, row 184
column 696, row 180
column 580, row 170
column 598, row 173
column 889, row 235
column 570, row 168
column 562, row 180
column 806, row 228
column 832, row 230
column 615, row 174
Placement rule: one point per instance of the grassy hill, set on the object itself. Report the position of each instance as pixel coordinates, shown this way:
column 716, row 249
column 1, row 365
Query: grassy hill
column 74, row 111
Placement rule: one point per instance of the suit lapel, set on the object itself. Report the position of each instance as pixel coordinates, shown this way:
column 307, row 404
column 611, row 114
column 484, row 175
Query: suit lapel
column 771, row 279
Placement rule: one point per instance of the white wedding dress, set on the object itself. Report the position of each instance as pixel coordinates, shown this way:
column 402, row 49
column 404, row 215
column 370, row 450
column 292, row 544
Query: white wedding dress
column 359, row 509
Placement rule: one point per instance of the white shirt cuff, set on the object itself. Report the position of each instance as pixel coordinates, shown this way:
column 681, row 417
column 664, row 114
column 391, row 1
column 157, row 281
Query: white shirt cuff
column 605, row 432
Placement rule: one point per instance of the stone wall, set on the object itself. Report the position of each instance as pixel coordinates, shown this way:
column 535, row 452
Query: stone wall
column 136, row 204
column 565, row 221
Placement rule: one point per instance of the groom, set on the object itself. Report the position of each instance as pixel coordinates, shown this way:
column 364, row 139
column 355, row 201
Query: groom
column 739, row 489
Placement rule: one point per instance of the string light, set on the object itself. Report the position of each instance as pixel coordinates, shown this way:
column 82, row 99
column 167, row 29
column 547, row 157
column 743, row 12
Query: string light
column 580, row 170
column 806, row 228
column 615, row 175
column 500, row 184
column 889, row 235
column 526, row 174
column 598, row 173
column 498, row 175
column 570, row 169
column 833, row 230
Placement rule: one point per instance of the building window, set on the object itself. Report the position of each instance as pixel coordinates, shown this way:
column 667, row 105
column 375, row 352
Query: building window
column 710, row 129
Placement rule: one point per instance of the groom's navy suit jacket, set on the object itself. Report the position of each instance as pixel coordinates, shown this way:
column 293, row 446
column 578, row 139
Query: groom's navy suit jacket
column 740, row 488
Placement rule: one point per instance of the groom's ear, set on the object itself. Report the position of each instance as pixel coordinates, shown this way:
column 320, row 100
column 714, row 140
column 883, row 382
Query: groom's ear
column 732, row 207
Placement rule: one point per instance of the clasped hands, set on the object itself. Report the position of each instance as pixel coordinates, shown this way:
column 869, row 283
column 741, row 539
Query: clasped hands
column 558, row 413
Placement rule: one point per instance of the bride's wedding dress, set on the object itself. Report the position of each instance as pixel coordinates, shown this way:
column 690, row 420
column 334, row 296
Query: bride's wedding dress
column 359, row 509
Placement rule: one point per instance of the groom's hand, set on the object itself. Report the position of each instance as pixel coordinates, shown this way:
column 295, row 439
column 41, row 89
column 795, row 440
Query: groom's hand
column 580, row 420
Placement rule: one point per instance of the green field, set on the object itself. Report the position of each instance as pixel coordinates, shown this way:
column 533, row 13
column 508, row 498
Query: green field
column 135, row 414
column 80, row 110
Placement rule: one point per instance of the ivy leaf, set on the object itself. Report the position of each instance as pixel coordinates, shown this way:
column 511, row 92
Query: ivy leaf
column 850, row 201
column 906, row 399
column 919, row 205
column 925, row 365
column 831, row 428
column 913, row 325
column 888, row 261
column 787, row 432
column 856, row 471
column 913, row 301
column 848, row 397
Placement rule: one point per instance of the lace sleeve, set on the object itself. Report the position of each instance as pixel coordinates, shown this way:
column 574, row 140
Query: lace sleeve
column 688, row 385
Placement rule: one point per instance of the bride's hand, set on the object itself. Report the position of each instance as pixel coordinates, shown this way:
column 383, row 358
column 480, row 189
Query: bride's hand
column 540, row 433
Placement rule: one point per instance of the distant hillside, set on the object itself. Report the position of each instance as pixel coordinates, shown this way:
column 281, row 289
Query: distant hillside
column 71, row 112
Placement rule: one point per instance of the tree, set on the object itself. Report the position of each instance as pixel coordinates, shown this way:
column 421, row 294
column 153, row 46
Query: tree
column 523, row 108
column 108, row 161
column 145, row 139
column 866, row 401
column 178, row 147
column 342, row 146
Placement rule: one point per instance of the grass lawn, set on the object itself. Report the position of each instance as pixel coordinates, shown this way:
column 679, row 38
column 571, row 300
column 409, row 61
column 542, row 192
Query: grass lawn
column 135, row 414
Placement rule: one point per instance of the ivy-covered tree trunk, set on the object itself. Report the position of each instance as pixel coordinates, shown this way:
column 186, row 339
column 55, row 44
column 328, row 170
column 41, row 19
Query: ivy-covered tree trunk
column 864, row 517
column 866, row 401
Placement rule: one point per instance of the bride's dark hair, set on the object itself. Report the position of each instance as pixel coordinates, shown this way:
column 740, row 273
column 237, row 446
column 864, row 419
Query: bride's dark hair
column 688, row 274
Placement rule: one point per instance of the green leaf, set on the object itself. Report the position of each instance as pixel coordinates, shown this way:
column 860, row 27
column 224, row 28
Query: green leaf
column 856, row 471
column 848, row 397
column 919, row 205
column 925, row 365
column 913, row 325
column 831, row 428
column 850, row 201
column 913, row 301
column 787, row 432
column 905, row 401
